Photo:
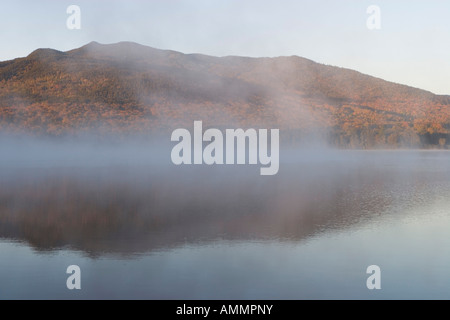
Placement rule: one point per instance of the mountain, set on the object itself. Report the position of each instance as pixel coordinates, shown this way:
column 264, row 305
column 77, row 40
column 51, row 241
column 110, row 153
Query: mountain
column 129, row 89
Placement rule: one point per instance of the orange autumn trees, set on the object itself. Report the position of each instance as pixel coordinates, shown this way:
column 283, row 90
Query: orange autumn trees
column 126, row 88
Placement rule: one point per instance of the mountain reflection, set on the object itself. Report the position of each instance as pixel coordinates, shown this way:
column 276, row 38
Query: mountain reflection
column 134, row 210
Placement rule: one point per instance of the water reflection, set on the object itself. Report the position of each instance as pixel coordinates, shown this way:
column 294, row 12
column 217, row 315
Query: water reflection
column 129, row 210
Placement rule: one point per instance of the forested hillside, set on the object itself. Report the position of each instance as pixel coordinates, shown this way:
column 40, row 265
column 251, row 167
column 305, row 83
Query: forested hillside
column 129, row 89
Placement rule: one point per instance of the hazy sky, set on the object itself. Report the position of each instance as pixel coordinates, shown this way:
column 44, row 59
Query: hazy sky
column 412, row 47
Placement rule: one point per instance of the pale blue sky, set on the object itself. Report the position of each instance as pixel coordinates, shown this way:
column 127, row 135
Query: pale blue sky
column 412, row 47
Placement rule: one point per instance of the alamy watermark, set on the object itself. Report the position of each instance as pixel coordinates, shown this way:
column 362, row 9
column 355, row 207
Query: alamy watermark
column 374, row 280
column 73, row 22
column 235, row 145
column 374, row 20
column 74, row 280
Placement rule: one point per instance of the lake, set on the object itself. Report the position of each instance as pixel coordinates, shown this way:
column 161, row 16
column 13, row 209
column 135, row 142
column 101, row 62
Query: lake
column 141, row 228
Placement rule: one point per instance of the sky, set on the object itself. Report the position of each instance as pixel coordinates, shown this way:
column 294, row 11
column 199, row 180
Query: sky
column 411, row 47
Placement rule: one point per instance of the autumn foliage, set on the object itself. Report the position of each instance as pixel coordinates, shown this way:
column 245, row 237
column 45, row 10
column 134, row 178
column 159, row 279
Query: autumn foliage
column 126, row 89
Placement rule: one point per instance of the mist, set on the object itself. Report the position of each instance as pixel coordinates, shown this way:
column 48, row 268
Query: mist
column 87, row 177
column 125, row 197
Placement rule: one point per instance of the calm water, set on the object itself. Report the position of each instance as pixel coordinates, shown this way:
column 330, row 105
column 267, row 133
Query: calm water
column 164, row 232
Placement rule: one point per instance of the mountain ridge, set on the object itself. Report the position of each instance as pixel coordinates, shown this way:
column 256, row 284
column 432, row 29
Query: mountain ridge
column 130, row 88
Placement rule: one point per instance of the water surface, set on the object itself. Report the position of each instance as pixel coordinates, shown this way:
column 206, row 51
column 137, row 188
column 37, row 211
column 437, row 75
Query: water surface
column 148, row 230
